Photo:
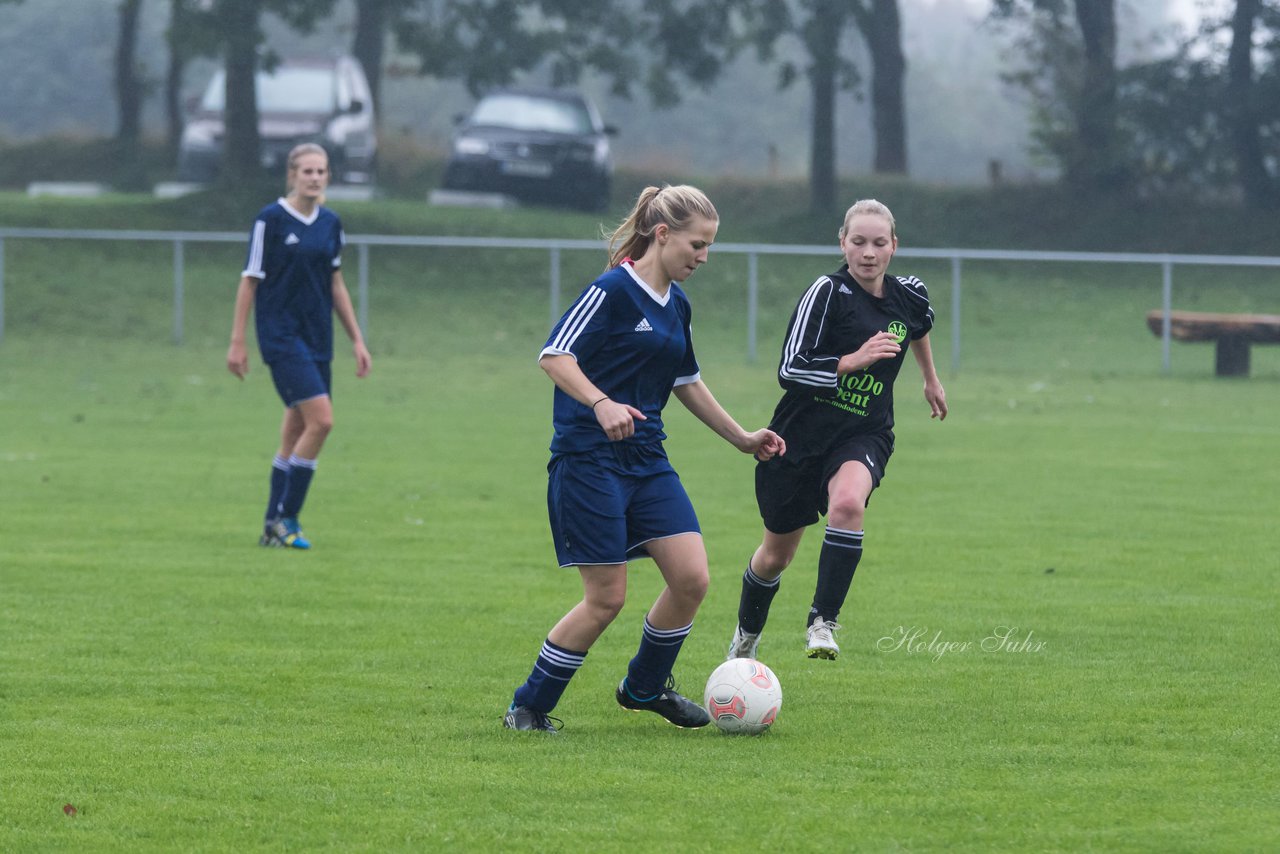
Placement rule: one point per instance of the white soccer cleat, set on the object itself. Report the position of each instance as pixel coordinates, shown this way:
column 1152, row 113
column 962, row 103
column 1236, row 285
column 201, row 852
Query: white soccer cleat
column 822, row 640
column 743, row 645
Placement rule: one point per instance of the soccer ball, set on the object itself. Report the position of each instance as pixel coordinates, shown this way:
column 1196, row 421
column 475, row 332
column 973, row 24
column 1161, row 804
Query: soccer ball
column 743, row 696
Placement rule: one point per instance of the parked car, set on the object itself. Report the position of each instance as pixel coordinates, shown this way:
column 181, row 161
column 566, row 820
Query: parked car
column 322, row 101
column 544, row 146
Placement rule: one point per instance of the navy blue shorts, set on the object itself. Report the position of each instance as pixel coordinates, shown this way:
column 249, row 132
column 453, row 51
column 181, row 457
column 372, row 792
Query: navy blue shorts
column 606, row 504
column 792, row 493
column 299, row 379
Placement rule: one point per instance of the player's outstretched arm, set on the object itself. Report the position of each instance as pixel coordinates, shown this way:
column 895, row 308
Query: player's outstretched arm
column 934, row 394
column 698, row 399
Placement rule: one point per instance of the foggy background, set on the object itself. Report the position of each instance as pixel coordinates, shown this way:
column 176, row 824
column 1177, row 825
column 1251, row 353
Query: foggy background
column 56, row 66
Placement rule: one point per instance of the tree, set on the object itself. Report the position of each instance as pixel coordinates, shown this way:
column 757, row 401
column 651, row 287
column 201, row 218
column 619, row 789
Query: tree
column 128, row 84
column 1172, row 126
column 881, row 26
column 178, row 53
column 653, row 44
column 1258, row 185
column 375, row 19
column 232, row 28
column 820, row 26
column 821, row 36
column 1071, row 73
column 1096, row 161
column 239, row 27
column 186, row 38
column 1207, row 118
column 486, row 43
column 368, row 45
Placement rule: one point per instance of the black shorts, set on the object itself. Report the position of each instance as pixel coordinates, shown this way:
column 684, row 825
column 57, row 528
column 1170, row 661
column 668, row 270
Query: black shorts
column 793, row 494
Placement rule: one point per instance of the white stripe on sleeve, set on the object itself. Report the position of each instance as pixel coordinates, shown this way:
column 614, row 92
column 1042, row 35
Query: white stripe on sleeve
column 799, row 334
column 577, row 320
column 254, row 267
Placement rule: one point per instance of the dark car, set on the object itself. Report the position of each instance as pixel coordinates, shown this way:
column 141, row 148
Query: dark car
column 322, row 101
column 543, row 146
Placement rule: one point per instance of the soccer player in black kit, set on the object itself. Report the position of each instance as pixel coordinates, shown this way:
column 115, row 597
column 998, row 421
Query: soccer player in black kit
column 845, row 344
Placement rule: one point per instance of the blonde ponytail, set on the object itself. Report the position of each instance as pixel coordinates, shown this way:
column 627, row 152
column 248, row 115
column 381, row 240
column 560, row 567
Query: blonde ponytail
column 676, row 206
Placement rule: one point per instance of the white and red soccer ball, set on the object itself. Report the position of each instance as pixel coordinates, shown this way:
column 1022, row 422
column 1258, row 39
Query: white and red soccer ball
column 743, row 696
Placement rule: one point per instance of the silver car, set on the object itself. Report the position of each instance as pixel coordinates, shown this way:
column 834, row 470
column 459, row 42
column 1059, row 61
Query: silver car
column 322, row 101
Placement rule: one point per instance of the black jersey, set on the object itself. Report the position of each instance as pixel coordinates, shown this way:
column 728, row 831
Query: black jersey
column 835, row 317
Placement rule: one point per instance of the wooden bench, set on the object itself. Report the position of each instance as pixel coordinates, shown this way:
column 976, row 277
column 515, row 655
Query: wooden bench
column 1232, row 332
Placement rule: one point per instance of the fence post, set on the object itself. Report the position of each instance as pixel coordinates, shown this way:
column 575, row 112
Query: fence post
column 555, row 285
column 179, row 290
column 362, row 312
column 753, row 301
column 955, row 315
column 1166, row 306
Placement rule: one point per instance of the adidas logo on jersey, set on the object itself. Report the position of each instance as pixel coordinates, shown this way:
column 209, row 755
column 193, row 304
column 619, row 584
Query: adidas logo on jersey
column 643, row 325
column 291, row 239
column 845, row 290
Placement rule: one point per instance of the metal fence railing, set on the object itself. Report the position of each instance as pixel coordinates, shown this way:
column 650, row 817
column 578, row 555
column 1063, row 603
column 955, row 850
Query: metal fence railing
column 363, row 245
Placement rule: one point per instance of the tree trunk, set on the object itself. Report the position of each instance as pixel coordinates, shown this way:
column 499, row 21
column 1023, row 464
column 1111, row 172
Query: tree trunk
column 823, row 41
column 822, row 147
column 241, row 155
column 1096, row 162
column 173, row 106
column 368, row 44
column 1258, row 186
column 883, row 33
column 128, row 86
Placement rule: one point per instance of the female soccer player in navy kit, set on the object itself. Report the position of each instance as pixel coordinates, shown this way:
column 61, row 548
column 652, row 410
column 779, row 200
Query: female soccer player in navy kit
column 293, row 283
column 842, row 353
column 616, row 356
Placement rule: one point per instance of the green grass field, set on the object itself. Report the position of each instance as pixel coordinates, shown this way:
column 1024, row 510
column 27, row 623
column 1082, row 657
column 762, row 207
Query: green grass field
column 185, row 690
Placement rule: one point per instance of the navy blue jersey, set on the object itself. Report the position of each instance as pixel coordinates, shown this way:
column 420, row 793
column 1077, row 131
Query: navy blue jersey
column 836, row 316
column 294, row 257
column 633, row 344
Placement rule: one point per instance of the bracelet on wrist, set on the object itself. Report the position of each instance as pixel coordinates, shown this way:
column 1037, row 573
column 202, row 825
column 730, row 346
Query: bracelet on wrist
column 598, row 402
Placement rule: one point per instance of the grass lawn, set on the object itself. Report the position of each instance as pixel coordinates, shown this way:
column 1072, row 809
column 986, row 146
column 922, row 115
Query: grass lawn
column 1059, row 638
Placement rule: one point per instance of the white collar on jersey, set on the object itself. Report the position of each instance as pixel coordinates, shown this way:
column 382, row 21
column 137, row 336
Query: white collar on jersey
column 305, row 220
column 662, row 299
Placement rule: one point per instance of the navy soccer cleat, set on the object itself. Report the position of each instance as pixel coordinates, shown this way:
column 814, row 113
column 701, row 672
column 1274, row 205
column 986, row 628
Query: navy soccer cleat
column 679, row 710
column 525, row 718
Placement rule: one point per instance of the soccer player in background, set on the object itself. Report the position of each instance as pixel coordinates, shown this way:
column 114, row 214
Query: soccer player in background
column 843, row 349
column 615, row 357
column 293, row 283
